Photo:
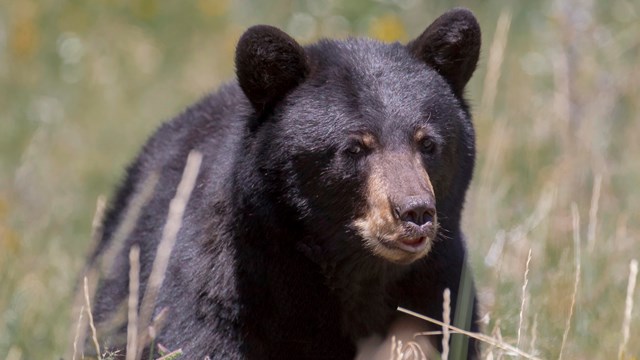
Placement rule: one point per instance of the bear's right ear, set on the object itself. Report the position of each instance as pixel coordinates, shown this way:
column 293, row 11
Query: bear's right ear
column 269, row 64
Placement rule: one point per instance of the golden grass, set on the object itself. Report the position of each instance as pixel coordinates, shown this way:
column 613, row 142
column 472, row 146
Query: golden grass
column 524, row 298
column 75, row 339
column 446, row 317
column 498, row 343
column 494, row 63
column 130, row 218
column 132, row 319
column 141, row 328
column 94, row 333
column 626, row 323
column 576, row 239
column 177, row 207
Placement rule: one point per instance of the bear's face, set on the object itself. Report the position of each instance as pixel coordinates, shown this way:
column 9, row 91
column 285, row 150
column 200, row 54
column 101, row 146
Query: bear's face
column 364, row 141
column 370, row 130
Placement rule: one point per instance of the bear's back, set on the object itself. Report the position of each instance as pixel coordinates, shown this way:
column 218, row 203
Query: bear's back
column 212, row 126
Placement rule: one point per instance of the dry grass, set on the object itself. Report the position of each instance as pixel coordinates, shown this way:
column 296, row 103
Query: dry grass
column 140, row 327
column 576, row 239
column 446, row 317
column 626, row 323
column 524, row 298
column 494, row 342
column 94, row 333
column 169, row 235
column 132, row 319
column 77, row 337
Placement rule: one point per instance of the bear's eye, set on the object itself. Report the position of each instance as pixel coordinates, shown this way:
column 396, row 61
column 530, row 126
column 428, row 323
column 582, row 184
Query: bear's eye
column 427, row 145
column 355, row 149
column 358, row 145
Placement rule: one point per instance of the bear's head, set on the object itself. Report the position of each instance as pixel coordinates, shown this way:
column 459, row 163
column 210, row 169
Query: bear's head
column 367, row 145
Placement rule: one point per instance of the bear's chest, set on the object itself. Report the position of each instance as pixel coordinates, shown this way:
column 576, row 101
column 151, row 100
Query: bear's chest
column 366, row 302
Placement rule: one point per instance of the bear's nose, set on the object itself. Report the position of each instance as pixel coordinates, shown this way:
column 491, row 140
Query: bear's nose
column 417, row 210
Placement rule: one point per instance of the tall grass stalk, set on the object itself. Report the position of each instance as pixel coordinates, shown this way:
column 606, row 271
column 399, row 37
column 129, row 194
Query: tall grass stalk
column 79, row 300
column 446, row 317
column 576, row 241
column 628, row 308
column 94, row 333
column 129, row 221
column 478, row 336
column 75, row 340
column 134, row 285
column 177, row 207
column 524, row 298
column 593, row 213
column 494, row 63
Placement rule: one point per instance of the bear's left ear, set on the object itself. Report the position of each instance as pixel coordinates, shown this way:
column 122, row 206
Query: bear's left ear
column 451, row 45
column 269, row 64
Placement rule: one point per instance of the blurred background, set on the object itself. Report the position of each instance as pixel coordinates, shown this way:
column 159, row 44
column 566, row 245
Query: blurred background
column 556, row 101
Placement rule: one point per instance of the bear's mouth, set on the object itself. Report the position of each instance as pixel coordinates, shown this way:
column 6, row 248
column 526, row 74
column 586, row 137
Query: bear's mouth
column 398, row 243
column 409, row 245
column 414, row 245
column 402, row 249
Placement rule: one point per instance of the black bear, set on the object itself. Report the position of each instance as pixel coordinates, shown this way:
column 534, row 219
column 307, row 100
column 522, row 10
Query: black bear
column 331, row 188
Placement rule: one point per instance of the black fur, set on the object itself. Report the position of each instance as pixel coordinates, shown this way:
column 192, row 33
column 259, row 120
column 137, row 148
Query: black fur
column 267, row 264
column 269, row 63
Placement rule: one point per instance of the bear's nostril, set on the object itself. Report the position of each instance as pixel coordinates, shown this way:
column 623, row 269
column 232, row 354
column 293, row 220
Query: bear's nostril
column 417, row 217
column 411, row 216
column 417, row 210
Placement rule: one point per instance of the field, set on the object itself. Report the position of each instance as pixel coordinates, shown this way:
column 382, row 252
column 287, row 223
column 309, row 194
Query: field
column 556, row 103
